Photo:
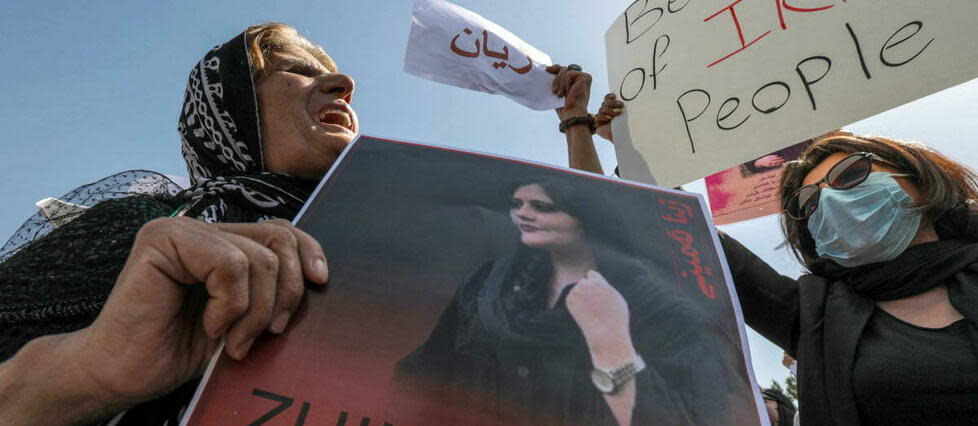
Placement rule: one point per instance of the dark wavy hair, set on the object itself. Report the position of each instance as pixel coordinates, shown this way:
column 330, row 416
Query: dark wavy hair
column 948, row 189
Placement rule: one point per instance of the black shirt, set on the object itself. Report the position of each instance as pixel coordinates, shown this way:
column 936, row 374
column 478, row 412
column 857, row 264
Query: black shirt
column 909, row 375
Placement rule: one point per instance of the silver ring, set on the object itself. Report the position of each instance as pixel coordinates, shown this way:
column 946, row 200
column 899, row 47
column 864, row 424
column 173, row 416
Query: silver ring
column 575, row 67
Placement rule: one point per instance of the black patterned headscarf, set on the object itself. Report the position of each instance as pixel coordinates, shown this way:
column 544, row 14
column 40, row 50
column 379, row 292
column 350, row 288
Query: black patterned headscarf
column 221, row 134
column 221, row 143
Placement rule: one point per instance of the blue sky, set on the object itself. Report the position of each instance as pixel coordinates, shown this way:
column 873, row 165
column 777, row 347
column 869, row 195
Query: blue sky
column 91, row 88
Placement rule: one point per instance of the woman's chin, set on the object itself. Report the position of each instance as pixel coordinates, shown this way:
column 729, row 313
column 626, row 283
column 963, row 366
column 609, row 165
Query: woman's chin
column 335, row 134
column 535, row 243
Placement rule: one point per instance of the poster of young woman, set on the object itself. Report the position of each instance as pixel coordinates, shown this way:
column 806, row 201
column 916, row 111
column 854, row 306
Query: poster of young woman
column 468, row 289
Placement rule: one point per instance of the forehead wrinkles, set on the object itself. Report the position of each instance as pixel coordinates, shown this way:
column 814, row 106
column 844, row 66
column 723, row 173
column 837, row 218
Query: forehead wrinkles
column 284, row 62
column 296, row 55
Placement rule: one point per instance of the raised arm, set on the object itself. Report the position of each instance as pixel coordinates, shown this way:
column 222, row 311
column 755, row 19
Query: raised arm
column 574, row 86
column 768, row 299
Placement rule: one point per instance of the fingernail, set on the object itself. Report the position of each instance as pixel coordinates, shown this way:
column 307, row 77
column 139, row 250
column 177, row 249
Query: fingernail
column 221, row 332
column 281, row 321
column 243, row 349
column 320, row 266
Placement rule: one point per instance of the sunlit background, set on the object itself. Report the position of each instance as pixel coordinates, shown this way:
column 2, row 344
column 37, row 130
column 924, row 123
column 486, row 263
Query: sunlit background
column 91, row 88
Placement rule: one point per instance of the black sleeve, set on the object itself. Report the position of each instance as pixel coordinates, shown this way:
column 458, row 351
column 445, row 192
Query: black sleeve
column 435, row 360
column 694, row 374
column 768, row 299
column 667, row 335
column 691, row 361
column 656, row 402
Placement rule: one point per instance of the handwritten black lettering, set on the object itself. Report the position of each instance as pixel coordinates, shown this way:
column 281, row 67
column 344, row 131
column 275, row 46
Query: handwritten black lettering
column 859, row 51
column 656, row 54
column 768, row 110
column 891, row 44
column 630, row 22
column 671, row 10
column 641, row 85
column 686, row 118
column 721, row 116
column 806, row 82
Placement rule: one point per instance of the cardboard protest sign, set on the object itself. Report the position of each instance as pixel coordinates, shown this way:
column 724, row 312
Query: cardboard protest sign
column 443, row 307
column 709, row 84
column 750, row 189
column 455, row 46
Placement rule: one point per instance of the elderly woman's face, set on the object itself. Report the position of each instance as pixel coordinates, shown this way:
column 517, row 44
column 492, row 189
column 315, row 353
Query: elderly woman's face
column 306, row 118
column 542, row 223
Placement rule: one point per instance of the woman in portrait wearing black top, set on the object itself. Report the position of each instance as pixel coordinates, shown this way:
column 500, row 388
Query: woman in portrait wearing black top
column 570, row 330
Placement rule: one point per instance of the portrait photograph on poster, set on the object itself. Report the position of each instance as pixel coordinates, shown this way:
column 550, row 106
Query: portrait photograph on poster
column 473, row 289
column 750, row 190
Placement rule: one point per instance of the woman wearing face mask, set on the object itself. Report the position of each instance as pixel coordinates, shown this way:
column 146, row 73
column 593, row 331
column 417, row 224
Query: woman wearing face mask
column 534, row 338
column 885, row 325
column 113, row 299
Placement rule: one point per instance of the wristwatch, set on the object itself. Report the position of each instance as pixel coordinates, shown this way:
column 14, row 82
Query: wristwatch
column 609, row 381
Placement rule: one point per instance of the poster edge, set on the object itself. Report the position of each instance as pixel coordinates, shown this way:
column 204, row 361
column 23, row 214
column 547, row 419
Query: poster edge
column 738, row 312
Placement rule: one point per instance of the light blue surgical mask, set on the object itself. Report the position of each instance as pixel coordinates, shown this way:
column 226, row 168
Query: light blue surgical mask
column 868, row 223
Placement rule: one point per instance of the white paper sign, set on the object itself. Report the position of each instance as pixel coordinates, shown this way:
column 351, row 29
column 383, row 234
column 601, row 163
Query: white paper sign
column 713, row 83
column 455, row 46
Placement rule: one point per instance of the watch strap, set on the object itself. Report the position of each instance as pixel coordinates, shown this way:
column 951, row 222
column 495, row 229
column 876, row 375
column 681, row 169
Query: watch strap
column 617, row 376
column 623, row 374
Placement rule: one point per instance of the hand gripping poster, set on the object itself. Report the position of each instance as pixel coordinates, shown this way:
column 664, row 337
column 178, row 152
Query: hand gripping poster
column 469, row 289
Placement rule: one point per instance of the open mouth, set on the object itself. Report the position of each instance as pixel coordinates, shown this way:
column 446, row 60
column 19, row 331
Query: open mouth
column 332, row 115
column 528, row 228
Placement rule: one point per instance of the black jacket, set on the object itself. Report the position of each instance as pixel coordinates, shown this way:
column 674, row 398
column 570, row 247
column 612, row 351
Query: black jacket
column 543, row 365
column 816, row 320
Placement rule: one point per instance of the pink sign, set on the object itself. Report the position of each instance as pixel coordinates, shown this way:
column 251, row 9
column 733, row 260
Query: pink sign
column 749, row 190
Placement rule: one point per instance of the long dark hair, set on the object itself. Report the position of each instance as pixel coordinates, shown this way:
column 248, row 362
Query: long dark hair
column 948, row 189
column 603, row 231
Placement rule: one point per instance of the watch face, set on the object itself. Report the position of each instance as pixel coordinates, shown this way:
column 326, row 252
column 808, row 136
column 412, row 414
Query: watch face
column 602, row 381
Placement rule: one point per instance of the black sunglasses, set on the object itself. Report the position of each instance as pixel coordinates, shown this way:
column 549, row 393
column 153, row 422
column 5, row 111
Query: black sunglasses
column 851, row 171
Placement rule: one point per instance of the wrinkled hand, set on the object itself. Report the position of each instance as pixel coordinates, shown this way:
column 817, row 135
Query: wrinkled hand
column 610, row 108
column 769, row 161
column 185, row 285
column 602, row 315
column 574, row 87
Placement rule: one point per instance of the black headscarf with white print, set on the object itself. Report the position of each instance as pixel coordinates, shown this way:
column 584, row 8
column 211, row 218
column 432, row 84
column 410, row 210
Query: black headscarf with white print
column 58, row 284
column 221, row 134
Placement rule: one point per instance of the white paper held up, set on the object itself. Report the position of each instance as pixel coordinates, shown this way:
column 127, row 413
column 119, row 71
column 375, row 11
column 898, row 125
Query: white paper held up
column 455, row 46
column 711, row 84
